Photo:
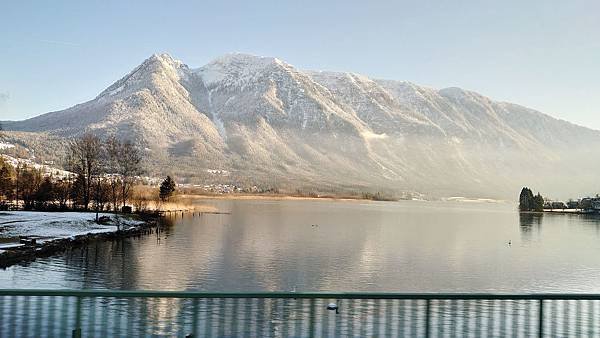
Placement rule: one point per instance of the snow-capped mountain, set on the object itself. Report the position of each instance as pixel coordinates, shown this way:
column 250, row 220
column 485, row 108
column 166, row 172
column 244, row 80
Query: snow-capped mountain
column 272, row 123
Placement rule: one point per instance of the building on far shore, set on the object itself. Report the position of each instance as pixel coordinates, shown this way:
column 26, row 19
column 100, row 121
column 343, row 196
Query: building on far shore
column 590, row 204
column 573, row 204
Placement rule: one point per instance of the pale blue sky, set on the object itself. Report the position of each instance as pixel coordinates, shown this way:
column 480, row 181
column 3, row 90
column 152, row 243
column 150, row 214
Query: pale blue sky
column 542, row 54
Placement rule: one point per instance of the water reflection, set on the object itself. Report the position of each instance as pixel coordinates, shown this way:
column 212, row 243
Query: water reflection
column 338, row 246
column 528, row 223
column 528, row 219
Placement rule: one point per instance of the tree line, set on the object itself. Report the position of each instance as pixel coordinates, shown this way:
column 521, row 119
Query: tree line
column 103, row 172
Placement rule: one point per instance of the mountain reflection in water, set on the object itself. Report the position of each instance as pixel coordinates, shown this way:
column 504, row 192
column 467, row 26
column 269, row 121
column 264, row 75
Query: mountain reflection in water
column 338, row 246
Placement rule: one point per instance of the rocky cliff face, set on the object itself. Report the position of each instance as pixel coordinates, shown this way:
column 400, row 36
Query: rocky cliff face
column 271, row 123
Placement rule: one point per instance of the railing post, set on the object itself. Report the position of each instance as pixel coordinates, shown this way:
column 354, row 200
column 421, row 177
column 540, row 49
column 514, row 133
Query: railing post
column 195, row 318
column 312, row 318
column 77, row 330
column 541, row 318
column 427, row 318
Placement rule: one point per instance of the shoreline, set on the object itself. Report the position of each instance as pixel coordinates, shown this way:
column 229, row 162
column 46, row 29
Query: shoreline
column 562, row 212
column 30, row 252
column 280, row 197
column 269, row 197
column 569, row 211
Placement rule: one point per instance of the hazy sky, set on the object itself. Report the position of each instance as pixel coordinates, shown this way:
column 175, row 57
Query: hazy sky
column 542, row 54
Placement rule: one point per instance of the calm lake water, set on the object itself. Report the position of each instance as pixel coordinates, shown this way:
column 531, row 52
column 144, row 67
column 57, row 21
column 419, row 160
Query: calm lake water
column 309, row 245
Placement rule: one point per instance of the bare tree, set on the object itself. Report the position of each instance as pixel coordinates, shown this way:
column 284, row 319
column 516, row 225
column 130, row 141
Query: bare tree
column 140, row 201
column 63, row 190
column 113, row 146
column 6, row 180
column 124, row 162
column 129, row 166
column 85, row 160
column 31, row 180
column 101, row 196
column 18, row 183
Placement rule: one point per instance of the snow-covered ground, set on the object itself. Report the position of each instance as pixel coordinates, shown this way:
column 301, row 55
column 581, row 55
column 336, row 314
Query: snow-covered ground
column 4, row 145
column 52, row 225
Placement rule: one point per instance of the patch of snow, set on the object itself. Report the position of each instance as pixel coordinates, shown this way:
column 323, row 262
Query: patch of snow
column 368, row 135
column 4, row 145
column 216, row 118
column 220, row 126
column 235, row 69
column 116, row 91
column 211, row 75
column 183, row 73
column 472, row 200
column 53, row 225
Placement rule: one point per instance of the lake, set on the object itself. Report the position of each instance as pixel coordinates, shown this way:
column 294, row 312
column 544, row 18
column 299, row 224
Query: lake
column 323, row 245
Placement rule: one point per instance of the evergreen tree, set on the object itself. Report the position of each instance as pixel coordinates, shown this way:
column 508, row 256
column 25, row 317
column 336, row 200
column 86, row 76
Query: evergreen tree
column 78, row 191
column 526, row 198
column 44, row 194
column 538, row 203
column 167, row 188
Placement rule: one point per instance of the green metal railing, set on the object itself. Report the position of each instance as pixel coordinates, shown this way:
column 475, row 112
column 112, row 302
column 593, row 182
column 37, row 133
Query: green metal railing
column 97, row 313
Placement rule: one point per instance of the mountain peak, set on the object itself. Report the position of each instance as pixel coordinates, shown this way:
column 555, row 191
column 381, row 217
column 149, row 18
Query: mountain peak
column 247, row 62
column 143, row 74
column 162, row 59
column 161, row 56
column 239, row 66
column 245, row 58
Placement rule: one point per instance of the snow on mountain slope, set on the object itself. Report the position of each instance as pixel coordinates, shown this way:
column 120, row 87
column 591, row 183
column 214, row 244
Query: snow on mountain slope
column 372, row 103
column 245, row 87
column 150, row 105
column 269, row 122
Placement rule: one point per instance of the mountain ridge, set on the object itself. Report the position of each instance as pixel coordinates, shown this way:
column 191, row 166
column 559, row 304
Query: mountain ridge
column 272, row 123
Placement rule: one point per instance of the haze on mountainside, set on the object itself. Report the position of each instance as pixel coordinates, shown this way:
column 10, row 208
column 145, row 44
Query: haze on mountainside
column 272, row 124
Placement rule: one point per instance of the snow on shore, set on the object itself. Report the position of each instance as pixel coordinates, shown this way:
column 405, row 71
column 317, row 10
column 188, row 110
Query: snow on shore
column 52, row 225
